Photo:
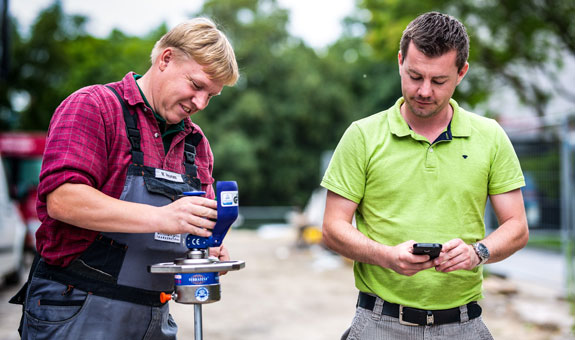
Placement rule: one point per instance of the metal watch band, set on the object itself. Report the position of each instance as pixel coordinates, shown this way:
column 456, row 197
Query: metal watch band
column 481, row 251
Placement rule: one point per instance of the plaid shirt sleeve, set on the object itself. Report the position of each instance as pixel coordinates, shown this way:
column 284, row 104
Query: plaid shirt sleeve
column 75, row 146
column 87, row 144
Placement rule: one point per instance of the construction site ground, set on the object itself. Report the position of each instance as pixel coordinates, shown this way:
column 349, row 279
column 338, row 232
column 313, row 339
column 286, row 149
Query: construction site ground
column 291, row 292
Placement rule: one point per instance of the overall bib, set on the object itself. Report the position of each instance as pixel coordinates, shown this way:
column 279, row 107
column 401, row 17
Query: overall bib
column 107, row 292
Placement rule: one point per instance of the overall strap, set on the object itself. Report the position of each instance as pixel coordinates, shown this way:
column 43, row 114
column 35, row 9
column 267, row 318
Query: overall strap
column 191, row 143
column 132, row 130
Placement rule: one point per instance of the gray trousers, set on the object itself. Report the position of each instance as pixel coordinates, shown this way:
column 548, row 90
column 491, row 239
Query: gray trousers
column 53, row 311
column 372, row 325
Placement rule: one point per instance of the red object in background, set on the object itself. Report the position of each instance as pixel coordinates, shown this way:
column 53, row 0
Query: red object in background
column 22, row 153
column 22, row 144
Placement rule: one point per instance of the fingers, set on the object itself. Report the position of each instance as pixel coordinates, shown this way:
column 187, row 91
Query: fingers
column 406, row 263
column 201, row 206
column 194, row 215
column 221, row 253
column 455, row 255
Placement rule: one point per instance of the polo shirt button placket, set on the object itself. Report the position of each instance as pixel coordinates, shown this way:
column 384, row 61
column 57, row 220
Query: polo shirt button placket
column 430, row 162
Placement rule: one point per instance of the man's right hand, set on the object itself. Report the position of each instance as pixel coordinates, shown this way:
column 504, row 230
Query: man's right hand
column 401, row 259
column 193, row 215
column 86, row 207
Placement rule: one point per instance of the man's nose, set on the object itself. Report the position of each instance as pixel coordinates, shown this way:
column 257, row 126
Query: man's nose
column 201, row 101
column 425, row 89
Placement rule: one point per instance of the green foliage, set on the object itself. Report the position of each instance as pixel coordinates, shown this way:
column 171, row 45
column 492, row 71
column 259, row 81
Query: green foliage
column 289, row 106
column 267, row 132
column 291, row 103
column 58, row 58
column 531, row 34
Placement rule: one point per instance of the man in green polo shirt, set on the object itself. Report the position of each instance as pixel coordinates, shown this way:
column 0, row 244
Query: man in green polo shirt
column 422, row 171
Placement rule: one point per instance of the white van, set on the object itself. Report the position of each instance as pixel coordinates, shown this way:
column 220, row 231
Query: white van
column 12, row 234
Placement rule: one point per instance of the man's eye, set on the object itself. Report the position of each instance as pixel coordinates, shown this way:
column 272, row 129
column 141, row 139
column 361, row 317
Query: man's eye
column 415, row 78
column 439, row 82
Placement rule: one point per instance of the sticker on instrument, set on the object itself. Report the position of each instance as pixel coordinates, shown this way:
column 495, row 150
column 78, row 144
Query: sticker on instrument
column 170, row 176
column 202, row 294
column 177, row 238
column 229, row 198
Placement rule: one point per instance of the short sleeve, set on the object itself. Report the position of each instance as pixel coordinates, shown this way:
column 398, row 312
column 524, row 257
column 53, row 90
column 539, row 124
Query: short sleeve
column 505, row 174
column 346, row 173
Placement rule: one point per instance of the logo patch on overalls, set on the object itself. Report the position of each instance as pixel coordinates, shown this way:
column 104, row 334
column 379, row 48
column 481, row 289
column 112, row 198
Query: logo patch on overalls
column 170, row 176
column 177, row 238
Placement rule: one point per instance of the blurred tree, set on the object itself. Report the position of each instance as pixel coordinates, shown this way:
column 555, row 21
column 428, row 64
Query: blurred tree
column 60, row 57
column 268, row 132
column 510, row 41
column 289, row 106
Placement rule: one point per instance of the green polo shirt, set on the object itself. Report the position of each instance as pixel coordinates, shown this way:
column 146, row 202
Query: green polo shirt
column 407, row 188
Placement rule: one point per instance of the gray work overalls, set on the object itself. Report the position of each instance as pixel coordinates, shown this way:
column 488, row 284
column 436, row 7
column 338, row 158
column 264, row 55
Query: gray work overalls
column 107, row 293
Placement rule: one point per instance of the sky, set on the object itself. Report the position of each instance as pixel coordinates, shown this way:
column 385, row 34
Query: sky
column 138, row 17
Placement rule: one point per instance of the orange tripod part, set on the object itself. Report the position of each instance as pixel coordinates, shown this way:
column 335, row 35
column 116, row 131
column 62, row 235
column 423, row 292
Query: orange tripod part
column 165, row 297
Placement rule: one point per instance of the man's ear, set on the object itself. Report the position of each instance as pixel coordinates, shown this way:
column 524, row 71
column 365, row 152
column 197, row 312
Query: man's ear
column 399, row 61
column 462, row 73
column 165, row 58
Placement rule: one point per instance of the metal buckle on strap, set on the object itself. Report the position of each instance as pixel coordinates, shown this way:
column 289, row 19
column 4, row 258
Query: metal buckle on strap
column 405, row 323
column 430, row 320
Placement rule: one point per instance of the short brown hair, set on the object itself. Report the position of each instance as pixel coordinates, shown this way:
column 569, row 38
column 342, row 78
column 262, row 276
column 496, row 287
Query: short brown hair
column 201, row 40
column 435, row 34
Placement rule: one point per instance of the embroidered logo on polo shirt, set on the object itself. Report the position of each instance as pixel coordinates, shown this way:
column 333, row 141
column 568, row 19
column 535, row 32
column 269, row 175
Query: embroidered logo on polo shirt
column 464, row 156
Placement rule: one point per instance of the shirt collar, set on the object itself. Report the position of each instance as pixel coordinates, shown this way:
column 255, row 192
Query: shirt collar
column 161, row 121
column 131, row 91
column 460, row 124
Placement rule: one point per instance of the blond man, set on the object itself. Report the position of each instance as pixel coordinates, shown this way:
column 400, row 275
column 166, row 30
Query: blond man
column 117, row 158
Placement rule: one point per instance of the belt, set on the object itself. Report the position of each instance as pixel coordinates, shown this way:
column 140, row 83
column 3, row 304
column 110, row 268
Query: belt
column 419, row 317
column 79, row 277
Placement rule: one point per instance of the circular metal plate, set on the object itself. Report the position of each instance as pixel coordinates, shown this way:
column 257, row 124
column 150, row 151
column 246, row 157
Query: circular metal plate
column 198, row 267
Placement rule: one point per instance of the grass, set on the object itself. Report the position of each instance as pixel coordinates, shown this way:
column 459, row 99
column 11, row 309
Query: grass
column 546, row 241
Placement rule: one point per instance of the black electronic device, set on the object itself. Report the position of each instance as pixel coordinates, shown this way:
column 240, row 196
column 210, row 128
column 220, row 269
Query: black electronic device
column 431, row 249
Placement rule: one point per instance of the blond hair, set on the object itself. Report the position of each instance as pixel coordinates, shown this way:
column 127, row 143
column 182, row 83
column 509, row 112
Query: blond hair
column 201, row 40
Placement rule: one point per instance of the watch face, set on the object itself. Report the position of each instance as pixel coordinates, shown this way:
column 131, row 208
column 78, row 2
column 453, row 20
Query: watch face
column 482, row 251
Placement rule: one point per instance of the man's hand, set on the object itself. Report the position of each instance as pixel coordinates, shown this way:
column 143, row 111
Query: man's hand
column 456, row 255
column 221, row 253
column 193, row 215
column 402, row 260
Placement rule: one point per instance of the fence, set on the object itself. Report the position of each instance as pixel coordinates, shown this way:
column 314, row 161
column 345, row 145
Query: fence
column 568, row 202
column 548, row 162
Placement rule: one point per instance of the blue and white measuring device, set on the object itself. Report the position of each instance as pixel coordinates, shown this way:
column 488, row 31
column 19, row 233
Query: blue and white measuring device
column 196, row 277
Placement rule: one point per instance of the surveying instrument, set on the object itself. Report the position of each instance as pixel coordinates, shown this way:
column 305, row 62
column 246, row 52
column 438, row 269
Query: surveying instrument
column 197, row 275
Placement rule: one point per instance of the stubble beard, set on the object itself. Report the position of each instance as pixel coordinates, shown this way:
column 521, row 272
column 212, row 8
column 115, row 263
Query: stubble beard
column 421, row 113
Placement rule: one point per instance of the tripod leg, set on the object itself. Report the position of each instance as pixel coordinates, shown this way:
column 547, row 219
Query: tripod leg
column 198, row 333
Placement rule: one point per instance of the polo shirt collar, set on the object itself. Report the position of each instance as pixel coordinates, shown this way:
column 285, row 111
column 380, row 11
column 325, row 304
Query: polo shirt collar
column 460, row 124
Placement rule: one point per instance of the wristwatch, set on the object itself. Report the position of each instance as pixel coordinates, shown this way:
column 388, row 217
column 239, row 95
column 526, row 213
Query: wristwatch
column 481, row 251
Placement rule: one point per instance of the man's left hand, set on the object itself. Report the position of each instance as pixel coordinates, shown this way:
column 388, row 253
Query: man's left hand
column 456, row 255
column 221, row 253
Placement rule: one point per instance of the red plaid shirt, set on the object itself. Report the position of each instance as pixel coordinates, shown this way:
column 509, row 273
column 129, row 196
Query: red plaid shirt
column 87, row 144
